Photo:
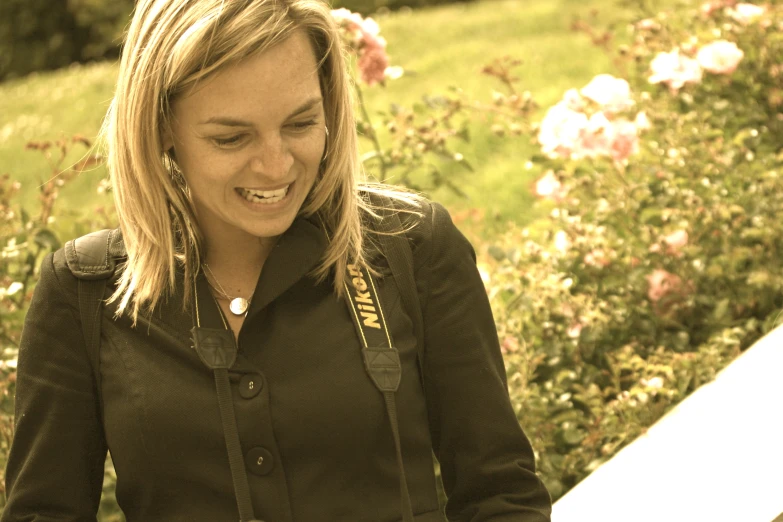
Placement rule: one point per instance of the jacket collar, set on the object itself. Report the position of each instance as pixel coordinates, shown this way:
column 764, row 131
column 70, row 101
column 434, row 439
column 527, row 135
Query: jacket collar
column 295, row 254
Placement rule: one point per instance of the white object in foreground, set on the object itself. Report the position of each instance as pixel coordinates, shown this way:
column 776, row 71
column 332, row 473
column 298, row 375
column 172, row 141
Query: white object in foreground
column 717, row 456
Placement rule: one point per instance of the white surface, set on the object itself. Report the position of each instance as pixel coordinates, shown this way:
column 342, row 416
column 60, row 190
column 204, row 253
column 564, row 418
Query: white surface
column 718, row 456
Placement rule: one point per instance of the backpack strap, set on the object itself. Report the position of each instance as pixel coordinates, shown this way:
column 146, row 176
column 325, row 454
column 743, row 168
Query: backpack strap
column 92, row 260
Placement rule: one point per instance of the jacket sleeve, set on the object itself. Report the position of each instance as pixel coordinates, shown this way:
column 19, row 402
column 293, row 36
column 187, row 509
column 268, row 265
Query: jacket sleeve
column 55, row 466
column 487, row 463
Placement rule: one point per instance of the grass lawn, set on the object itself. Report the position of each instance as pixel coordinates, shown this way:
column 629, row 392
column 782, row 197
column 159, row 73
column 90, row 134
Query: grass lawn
column 439, row 47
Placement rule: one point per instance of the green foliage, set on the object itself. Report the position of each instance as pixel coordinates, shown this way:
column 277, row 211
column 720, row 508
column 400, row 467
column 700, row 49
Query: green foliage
column 459, row 39
column 658, row 270
column 414, row 146
column 366, row 7
column 25, row 238
column 40, row 35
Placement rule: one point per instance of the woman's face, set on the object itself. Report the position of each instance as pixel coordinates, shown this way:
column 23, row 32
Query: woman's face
column 250, row 140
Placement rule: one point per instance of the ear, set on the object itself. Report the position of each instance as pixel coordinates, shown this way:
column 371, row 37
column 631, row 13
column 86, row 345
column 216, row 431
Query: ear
column 167, row 141
column 166, row 136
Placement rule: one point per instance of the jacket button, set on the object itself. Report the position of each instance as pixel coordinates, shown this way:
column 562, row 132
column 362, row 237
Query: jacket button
column 250, row 385
column 259, row 461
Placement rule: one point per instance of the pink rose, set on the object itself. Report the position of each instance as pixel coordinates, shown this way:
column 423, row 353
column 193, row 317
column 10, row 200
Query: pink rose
column 373, row 63
column 561, row 130
column 610, row 93
column 370, row 47
column 574, row 330
column 509, row 345
column 597, row 138
column 746, row 14
column 567, row 132
column 661, row 284
column 625, row 140
column 720, row 57
column 674, row 70
column 597, row 258
column 617, row 139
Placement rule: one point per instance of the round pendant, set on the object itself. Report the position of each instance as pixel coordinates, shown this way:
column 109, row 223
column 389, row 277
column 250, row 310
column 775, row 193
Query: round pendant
column 238, row 306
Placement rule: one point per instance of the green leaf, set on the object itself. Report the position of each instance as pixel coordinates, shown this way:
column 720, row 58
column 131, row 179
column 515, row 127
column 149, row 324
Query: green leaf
column 497, row 252
column 759, row 278
column 753, row 234
column 573, row 436
column 742, row 136
column 454, row 188
column 466, row 165
column 651, row 216
column 47, row 239
column 721, row 310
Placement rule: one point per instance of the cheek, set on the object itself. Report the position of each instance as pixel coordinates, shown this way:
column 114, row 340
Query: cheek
column 206, row 167
column 311, row 151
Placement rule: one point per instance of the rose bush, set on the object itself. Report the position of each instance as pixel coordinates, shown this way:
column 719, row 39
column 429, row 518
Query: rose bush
column 661, row 260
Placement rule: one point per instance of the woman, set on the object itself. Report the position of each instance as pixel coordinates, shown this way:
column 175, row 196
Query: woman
column 232, row 151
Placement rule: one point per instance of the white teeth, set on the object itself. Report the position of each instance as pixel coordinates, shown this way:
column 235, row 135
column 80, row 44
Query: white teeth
column 264, row 196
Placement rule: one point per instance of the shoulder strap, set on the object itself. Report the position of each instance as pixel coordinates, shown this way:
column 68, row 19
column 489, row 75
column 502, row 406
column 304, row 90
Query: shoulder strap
column 94, row 256
column 397, row 249
column 217, row 348
column 92, row 259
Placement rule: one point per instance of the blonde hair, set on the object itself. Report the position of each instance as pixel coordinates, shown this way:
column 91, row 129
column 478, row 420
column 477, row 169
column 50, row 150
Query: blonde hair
column 170, row 46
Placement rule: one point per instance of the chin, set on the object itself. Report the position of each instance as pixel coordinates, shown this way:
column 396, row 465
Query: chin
column 271, row 229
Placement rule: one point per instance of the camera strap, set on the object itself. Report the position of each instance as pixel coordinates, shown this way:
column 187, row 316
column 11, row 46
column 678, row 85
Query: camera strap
column 381, row 358
column 217, row 348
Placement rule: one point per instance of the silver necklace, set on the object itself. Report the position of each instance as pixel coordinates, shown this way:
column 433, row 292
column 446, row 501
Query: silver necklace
column 237, row 305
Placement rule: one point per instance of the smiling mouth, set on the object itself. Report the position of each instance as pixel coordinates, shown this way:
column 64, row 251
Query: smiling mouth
column 264, row 196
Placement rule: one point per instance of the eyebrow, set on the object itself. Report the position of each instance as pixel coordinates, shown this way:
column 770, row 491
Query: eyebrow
column 234, row 122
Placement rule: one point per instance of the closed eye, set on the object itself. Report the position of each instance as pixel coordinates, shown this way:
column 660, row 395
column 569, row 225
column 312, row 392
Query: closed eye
column 303, row 125
column 228, row 142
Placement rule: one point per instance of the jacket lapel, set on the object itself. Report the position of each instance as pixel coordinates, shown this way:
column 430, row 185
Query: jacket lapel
column 296, row 253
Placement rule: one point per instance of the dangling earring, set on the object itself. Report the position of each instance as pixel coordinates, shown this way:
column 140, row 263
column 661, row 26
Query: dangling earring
column 326, row 145
column 173, row 169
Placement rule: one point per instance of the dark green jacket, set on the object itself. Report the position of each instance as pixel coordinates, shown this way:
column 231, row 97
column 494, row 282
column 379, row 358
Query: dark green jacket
column 311, row 411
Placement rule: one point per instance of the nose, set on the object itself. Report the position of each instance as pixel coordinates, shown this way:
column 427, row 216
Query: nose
column 272, row 158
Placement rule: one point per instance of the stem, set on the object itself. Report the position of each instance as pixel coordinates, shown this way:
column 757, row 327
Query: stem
column 371, row 132
column 8, row 340
column 26, row 281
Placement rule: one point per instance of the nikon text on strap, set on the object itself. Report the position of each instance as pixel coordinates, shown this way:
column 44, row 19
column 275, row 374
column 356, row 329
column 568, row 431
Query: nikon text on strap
column 381, row 359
